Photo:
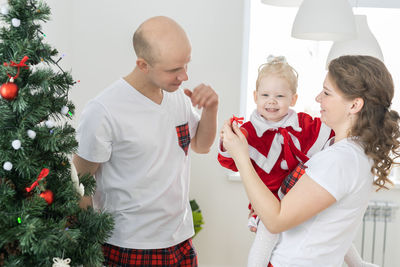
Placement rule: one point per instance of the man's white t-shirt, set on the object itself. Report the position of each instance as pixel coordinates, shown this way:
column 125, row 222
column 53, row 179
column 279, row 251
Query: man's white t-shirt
column 143, row 179
column 344, row 170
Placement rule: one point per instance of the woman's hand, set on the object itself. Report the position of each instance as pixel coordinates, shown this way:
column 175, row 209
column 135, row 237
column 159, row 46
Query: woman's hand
column 234, row 142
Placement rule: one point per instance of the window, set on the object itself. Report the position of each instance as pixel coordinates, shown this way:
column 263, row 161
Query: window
column 269, row 32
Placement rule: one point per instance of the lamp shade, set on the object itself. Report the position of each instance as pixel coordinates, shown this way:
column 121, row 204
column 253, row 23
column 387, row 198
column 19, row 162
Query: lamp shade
column 364, row 44
column 324, row 20
column 282, row 2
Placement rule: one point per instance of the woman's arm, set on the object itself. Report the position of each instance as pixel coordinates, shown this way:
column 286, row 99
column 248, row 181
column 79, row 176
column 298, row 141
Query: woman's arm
column 305, row 199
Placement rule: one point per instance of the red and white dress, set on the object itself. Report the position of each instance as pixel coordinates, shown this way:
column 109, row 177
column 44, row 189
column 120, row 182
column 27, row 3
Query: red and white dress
column 276, row 148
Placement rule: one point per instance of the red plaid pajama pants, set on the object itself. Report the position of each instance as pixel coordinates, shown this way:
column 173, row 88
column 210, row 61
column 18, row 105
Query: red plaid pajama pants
column 181, row 255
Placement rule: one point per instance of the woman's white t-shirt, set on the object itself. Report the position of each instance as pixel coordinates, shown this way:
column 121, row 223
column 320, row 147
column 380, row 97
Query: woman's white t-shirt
column 143, row 179
column 344, row 170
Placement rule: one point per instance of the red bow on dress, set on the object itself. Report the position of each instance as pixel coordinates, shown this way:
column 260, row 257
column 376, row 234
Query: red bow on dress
column 290, row 151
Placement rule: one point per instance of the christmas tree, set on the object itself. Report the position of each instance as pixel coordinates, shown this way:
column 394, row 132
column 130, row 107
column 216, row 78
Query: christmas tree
column 41, row 223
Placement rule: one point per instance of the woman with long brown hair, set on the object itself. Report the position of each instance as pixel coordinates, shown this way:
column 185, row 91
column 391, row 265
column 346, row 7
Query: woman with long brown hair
column 318, row 217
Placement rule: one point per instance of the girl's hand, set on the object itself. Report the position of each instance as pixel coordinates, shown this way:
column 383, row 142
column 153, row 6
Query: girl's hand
column 234, row 141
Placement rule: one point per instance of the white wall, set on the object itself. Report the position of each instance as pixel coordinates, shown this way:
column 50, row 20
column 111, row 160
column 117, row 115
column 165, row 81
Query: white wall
column 96, row 37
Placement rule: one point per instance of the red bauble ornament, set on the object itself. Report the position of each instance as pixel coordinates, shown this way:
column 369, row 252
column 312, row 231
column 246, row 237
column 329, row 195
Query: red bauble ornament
column 48, row 196
column 240, row 121
column 9, row 91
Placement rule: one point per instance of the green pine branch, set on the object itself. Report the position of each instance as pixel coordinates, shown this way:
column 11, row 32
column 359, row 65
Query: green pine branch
column 33, row 232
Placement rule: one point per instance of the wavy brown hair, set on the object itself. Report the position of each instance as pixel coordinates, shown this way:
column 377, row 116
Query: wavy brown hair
column 377, row 126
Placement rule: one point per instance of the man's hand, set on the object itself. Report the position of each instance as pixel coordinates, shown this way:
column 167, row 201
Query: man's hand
column 85, row 202
column 203, row 96
column 85, row 167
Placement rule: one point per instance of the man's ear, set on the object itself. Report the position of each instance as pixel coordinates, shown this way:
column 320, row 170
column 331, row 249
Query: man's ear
column 357, row 105
column 142, row 65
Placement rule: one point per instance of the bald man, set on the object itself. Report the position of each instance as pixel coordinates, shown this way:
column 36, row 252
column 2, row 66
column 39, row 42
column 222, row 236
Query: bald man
column 135, row 137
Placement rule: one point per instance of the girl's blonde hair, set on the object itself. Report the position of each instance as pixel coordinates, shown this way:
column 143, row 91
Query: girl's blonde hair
column 278, row 66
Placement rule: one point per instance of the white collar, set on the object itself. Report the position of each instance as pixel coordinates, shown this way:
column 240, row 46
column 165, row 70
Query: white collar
column 262, row 125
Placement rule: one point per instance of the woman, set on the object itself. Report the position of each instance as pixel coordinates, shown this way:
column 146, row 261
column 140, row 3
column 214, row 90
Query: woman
column 319, row 215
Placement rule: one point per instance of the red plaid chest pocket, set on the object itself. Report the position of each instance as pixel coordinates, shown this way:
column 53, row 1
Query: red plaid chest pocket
column 183, row 137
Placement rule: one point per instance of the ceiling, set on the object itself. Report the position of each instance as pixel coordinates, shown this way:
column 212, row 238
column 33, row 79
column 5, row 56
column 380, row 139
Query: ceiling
column 375, row 3
column 354, row 3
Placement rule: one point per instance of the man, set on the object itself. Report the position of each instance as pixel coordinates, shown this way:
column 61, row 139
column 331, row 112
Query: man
column 134, row 138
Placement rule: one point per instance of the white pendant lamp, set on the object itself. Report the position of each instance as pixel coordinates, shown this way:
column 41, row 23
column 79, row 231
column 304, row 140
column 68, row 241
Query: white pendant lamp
column 324, row 20
column 282, row 2
column 365, row 43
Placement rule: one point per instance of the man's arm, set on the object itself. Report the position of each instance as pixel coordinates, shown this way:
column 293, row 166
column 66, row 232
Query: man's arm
column 85, row 167
column 203, row 96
